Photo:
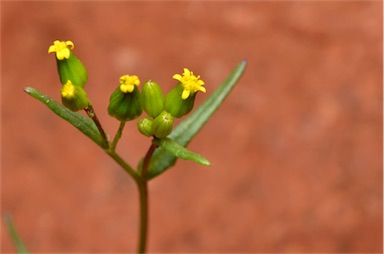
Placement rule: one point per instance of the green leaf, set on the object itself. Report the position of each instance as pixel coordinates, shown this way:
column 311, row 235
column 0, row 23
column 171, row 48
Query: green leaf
column 82, row 123
column 187, row 129
column 14, row 235
column 180, row 152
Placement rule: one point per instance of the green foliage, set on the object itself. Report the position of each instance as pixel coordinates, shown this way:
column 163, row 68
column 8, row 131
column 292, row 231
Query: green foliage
column 180, row 152
column 82, row 123
column 14, row 235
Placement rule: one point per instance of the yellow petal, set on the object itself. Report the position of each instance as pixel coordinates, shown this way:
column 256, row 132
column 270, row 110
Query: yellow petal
column 60, row 55
column 127, row 88
column 65, row 53
column 186, row 72
column 136, row 80
column 177, row 77
column 202, row 88
column 70, row 43
column 51, row 49
column 185, row 94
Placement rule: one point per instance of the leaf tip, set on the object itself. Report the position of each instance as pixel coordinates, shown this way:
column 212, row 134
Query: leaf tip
column 243, row 64
column 204, row 162
column 28, row 90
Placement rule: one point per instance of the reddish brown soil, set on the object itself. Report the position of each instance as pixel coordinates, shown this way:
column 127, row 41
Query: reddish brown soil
column 296, row 148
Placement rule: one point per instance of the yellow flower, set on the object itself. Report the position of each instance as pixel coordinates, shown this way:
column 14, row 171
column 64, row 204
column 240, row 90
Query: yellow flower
column 68, row 90
column 62, row 49
column 74, row 97
column 190, row 83
column 128, row 83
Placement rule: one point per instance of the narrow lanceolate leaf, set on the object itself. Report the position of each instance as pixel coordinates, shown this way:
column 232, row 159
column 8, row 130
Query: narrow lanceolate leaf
column 180, row 152
column 187, row 129
column 82, row 123
column 14, row 235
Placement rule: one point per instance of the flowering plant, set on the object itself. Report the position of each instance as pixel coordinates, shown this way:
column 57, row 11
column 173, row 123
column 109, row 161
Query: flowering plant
column 128, row 103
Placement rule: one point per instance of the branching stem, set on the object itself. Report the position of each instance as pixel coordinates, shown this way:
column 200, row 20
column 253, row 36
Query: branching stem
column 140, row 179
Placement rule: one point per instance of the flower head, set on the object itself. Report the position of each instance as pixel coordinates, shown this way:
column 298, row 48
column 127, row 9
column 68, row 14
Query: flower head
column 124, row 105
column 128, row 83
column 62, row 49
column 190, row 83
column 74, row 97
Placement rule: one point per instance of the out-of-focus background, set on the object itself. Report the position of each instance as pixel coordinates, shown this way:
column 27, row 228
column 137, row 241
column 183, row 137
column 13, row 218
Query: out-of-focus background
column 296, row 148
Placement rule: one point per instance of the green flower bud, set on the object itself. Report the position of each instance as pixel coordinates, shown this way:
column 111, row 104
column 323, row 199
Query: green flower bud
column 72, row 69
column 74, row 97
column 145, row 127
column 176, row 105
column 162, row 125
column 125, row 106
column 68, row 65
column 152, row 99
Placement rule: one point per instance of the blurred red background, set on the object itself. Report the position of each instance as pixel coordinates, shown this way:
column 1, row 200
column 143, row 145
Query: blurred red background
column 296, row 148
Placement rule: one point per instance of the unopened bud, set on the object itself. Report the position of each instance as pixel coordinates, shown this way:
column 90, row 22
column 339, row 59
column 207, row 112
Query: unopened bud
column 162, row 125
column 145, row 127
column 152, row 99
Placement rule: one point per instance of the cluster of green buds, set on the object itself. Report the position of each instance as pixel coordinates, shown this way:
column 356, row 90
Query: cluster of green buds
column 73, row 76
column 127, row 102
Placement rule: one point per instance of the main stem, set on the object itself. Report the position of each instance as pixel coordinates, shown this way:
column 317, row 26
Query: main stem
column 140, row 179
column 143, row 195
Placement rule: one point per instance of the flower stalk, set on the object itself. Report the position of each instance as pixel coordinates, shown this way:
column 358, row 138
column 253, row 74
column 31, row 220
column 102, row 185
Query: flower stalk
column 91, row 113
column 118, row 135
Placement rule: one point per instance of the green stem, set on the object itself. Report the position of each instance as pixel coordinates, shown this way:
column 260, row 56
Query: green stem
column 143, row 195
column 124, row 165
column 118, row 135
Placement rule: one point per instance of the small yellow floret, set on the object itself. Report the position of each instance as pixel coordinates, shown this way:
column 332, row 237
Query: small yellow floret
column 128, row 83
column 62, row 49
column 190, row 82
column 68, row 90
